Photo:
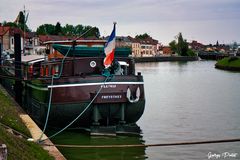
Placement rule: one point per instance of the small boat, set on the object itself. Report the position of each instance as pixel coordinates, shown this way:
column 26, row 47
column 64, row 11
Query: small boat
column 79, row 90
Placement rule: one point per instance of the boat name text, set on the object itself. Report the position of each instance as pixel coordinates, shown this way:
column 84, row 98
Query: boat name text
column 109, row 86
column 111, row 96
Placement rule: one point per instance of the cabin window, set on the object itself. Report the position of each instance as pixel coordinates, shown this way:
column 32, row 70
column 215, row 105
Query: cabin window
column 124, row 67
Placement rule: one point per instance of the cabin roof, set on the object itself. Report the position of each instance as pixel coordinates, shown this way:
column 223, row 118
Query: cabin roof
column 31, row 58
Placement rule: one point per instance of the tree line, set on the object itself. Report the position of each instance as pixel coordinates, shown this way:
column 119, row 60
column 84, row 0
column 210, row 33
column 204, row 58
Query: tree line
column 68, row 30
column 50, row 29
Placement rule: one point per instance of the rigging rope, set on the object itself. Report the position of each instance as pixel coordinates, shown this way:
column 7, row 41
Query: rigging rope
column 50, row 96
column 60, row 131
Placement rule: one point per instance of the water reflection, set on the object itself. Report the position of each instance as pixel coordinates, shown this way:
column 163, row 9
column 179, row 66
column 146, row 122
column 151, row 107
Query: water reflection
column 78, row 138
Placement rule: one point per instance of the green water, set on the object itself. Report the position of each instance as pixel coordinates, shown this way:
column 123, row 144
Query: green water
column 78, row 138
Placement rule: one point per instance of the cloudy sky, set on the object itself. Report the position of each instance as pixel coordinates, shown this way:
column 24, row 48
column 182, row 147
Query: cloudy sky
column 204, row 20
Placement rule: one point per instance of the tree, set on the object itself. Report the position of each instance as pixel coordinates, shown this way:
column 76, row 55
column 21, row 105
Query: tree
column 173, row 46
column 21, row 18
column 10, row 24
column 68, row 30
column 79, row 29
column 44, row 29
column 142, row 36
column 181, row 46
column 21, row 22
column 58, row 29
column 91, row 32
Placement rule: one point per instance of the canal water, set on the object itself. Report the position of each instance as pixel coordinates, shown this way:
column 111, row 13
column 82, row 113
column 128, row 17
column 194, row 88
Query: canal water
column 185, row 101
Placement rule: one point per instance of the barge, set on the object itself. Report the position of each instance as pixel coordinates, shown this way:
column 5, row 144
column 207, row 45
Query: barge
column 77, row 89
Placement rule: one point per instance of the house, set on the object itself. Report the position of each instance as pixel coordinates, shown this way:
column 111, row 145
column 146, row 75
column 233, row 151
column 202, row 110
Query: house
column 144, row 47
column 7, row 37
column 166, row 50
column 32, row 44
column 122, row 41
column 148, row 47
column 30, row 39
column 136, row 47
column 195, row 45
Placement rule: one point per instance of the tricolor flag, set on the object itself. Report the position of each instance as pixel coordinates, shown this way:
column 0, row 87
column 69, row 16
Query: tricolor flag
column 109, row 49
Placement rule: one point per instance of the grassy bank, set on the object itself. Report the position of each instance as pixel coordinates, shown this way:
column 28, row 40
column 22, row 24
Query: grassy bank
column 18, row 148
column 229, row 63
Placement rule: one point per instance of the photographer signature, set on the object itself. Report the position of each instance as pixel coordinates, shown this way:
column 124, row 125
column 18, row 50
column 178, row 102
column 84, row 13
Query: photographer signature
column 223, row 155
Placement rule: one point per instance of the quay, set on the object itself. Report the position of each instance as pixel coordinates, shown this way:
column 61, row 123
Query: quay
column 34, row 130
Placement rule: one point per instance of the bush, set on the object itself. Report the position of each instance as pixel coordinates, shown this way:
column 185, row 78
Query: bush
column 191, row 53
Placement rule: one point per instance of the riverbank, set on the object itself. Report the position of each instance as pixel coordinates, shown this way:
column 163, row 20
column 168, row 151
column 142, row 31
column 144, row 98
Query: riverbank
column 17, row 146
column 230, row 63
column 165, row 59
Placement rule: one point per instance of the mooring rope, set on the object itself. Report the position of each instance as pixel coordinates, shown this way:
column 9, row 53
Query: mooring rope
column 147, row 145
column 90, row 103
column 14, row 131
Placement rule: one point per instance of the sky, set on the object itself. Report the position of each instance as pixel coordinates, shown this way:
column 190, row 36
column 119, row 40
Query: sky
column 206, row 21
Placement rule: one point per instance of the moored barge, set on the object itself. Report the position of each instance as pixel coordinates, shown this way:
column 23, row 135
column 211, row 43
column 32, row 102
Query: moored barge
column 108, row 100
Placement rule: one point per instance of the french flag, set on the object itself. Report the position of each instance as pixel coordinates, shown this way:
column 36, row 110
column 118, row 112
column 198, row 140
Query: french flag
column 109, row 49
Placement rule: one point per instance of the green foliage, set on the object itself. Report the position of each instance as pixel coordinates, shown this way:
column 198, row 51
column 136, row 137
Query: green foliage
column 58, row 29
column 21, row 19
column 190, row 52
column 21, row 149
column 9, row 115
column 79, row 29
column 94, row 32
column 46, row 29
column 19, row 23
column 181, row 46
column 10, row 24
column 68, row 30
column 173, row 46
column 229, row 62
column 18, row 148
column 142, row 36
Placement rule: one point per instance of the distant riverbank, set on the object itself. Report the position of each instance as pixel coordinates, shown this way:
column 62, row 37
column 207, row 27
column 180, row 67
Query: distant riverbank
column 230, row 63
column 165, row 58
